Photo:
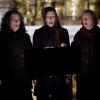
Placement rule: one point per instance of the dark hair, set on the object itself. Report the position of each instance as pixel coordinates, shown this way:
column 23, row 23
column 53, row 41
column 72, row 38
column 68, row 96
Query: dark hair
column 44, row 13
column 5, row 23
column 92, row 14
column 57, row 25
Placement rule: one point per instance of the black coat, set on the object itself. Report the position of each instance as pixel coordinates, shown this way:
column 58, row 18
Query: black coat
column 15, row 78
column 88, row 43
column 50, row 84
column 46, row 37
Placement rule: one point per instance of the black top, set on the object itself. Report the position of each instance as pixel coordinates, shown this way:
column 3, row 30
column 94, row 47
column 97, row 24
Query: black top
column 13, row 46
column 46, row 37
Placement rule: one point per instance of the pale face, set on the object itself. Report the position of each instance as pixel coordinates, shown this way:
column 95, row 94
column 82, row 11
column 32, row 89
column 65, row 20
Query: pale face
column 50, row 18
column 87, row 21
column 15, row 22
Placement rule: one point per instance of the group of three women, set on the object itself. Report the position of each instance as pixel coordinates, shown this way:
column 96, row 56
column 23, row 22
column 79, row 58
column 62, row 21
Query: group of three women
column 14, row 40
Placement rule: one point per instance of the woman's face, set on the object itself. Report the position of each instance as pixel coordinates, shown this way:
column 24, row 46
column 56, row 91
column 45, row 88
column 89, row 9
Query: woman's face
column 50, row 18
column 15, row 22
column 87, row 21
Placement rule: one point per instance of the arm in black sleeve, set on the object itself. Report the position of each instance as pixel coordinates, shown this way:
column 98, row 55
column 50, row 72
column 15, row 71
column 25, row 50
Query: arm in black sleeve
column 66, row 37
column 36, row 39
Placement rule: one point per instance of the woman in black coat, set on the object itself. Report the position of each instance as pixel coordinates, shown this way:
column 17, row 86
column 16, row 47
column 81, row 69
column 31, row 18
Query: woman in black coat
column 13, row 42
column 87, row 40
column 51, row 35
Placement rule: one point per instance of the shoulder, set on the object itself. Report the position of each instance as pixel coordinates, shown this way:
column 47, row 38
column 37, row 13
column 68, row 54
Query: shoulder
column 64, row 32
column 98, row 29
column 3, row 34
column 98, row 33
column 76, row 39
column 26, row 35
column 77, row 34
column 64, row 29
column 40, row 29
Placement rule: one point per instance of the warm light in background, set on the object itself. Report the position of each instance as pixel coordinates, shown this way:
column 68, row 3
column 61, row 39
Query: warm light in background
column 69, row 11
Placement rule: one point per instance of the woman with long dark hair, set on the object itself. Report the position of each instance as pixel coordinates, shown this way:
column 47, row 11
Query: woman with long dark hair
column 51, row 35
column 14, row 40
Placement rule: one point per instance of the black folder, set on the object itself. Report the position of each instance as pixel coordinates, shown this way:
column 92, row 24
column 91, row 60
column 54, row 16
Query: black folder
column 49, row 60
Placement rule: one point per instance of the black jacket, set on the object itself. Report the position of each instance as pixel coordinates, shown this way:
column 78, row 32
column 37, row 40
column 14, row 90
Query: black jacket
column 88, row 43
column 13, row 48
column 13, row 71
column 49, row 83
column 46, row 37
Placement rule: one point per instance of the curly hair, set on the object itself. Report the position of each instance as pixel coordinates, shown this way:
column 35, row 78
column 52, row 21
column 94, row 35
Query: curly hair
column 5, row 23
